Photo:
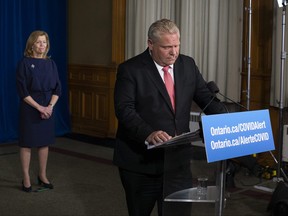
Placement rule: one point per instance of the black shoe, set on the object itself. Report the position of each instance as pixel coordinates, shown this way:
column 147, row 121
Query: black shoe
column 26, row 189
column 45, row 185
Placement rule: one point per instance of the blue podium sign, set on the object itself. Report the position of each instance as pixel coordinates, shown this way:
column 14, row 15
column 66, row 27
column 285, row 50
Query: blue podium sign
column 237, row 134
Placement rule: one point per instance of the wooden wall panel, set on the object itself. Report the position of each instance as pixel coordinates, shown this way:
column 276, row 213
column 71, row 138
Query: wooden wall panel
column 259, row 91
column 91, row 87
column 91, row 98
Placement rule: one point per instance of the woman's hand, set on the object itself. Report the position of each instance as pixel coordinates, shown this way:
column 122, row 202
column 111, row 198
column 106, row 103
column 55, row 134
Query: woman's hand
column 45, row 112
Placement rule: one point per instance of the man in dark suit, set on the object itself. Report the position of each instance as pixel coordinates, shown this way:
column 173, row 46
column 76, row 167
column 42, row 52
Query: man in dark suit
column 149, row 113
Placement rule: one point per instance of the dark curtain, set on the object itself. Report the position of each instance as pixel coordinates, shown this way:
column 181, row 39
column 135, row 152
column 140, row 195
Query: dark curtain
column 18, row 19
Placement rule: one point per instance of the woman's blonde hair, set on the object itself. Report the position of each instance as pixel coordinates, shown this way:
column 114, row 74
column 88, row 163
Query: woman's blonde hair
column 32, row 39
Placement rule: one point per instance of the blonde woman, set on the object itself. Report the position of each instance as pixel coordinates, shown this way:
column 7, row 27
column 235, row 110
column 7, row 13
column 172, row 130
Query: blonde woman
column 39, row 88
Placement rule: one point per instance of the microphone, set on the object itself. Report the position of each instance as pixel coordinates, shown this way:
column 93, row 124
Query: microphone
column 207, row 105
column 214, row 88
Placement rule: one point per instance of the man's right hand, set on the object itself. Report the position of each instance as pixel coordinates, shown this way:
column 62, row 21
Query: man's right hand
column 158, row 137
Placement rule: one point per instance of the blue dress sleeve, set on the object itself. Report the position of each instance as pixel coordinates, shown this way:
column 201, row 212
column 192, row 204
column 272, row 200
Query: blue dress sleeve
column 57, row 90
column 21, row 80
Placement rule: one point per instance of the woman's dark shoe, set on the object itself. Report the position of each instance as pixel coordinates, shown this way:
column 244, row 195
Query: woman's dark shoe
column 45, row 185
column 26, row 189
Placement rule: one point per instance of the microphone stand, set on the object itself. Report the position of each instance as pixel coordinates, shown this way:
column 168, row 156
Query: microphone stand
column 281, row 106
column 249, row 55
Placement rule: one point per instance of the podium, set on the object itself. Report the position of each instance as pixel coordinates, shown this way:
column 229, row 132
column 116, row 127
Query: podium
column 227, row 135
column 179, row 187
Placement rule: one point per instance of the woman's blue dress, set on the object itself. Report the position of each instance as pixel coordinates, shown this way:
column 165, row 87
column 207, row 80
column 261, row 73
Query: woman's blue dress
column 38, row 78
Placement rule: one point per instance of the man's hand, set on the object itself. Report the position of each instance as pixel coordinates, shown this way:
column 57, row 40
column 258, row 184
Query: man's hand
column 158, row 137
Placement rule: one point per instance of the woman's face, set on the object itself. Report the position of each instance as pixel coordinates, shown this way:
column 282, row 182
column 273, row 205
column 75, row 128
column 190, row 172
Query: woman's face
column 39, row 47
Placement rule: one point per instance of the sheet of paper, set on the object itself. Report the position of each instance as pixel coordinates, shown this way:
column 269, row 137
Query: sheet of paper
column 184, row 138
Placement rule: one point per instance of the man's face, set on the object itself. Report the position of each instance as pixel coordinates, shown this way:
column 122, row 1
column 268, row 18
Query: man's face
column 165, row 50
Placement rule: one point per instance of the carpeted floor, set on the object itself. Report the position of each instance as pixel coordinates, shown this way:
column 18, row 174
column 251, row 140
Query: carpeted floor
column 83, row 186
column 87, row 184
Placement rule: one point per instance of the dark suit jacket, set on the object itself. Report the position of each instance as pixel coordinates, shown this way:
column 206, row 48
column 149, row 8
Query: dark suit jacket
column 142, row 105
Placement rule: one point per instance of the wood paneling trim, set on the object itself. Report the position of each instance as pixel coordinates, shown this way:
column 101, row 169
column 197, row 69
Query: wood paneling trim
column 118, row 31
column 90, row 75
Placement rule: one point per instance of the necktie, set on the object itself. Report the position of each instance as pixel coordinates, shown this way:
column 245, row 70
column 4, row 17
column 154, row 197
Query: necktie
column 169, row 85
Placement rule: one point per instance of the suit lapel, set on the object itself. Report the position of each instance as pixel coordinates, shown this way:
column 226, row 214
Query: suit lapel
column 178, row 82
